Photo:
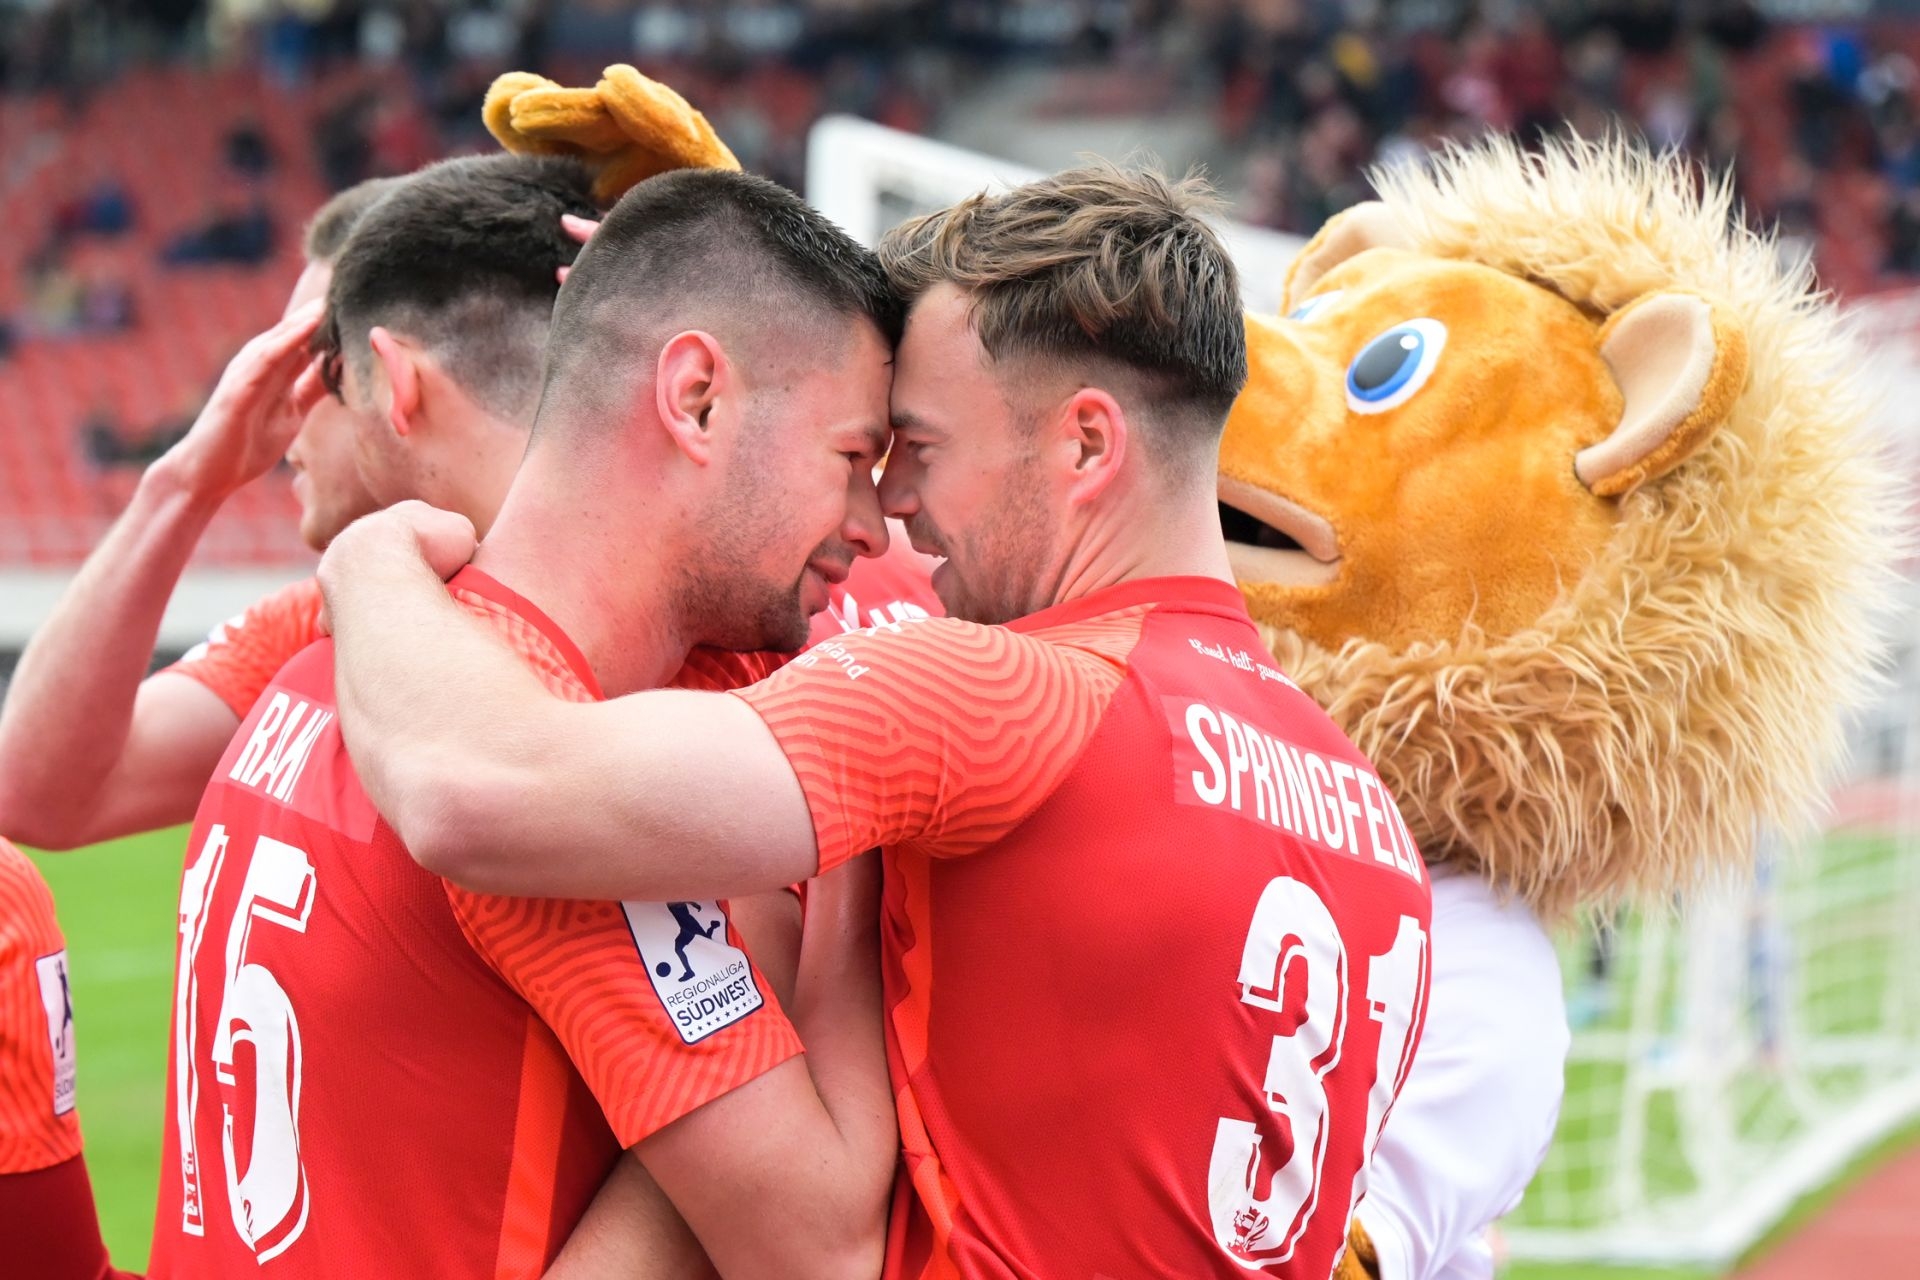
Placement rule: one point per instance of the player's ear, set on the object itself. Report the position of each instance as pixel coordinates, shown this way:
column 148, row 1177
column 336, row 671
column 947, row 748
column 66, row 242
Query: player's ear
column 688, row 379
column 403, row 378
column 1090, row 436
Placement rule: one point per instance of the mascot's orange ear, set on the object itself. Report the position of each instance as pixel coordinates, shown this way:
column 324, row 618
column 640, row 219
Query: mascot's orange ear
column 626, row 128
column 1351, row 231
column 1680, row 360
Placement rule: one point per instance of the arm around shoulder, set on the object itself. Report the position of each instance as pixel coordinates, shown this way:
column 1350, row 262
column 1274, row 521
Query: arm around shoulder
column 669, row 794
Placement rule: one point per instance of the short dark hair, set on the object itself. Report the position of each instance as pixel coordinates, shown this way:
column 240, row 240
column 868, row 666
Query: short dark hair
column 328, row 229
column 691, row 245
column 1097, row 263
column 462, row 256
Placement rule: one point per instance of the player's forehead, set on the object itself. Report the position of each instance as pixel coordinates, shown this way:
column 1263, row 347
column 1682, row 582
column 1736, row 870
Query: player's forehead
column 944, row 382
column 847, row 385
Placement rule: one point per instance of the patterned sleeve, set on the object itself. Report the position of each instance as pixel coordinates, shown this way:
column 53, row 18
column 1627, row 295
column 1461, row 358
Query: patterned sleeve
column 38, row 1125
column 943, row 733
column 656, row 1003
column 239, row 658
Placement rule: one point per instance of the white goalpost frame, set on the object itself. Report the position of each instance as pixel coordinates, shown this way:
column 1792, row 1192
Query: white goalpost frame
column 852, row 163
column 1686, row 1036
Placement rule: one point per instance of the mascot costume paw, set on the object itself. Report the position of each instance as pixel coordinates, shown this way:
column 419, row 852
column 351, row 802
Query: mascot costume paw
column 1554, row 488
column 626, row 128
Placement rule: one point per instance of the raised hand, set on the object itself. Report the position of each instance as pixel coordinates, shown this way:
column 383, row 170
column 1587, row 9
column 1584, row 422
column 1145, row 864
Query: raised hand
column 255, row 410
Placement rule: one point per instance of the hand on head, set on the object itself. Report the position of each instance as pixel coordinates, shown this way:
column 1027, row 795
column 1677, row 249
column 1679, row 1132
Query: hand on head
column 255, row 410
column 580, row 229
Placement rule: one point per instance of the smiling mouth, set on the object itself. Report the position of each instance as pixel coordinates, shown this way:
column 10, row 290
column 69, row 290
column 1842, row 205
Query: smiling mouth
column 1271, row 539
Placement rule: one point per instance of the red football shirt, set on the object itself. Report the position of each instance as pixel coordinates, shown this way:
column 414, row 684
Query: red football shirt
column 238, row 658
column 38, row 1125
column 1155, row 936
column 47, row 1220
column 376, row 1073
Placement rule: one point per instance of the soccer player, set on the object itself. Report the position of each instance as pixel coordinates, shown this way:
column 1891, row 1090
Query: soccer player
column 375, row 1073
column 46, row 1203
column 1154, row 933
column 88, row 748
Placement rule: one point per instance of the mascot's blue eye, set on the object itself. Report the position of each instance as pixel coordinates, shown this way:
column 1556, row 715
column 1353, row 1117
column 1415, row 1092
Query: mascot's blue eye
column 1314, row 306
column 1394, row 365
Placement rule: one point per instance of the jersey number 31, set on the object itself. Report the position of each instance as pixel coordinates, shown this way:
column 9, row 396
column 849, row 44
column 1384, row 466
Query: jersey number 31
column 1293, row 928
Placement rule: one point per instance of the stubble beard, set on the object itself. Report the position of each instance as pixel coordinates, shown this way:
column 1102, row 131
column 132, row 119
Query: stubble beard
column 1004, row 555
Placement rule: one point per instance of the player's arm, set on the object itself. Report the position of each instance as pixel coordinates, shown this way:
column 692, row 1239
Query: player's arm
column 86, row 749
column 706, row 1083
column 631, row 1231
column 811, row 1145
column 944, row 733
column 663, row 795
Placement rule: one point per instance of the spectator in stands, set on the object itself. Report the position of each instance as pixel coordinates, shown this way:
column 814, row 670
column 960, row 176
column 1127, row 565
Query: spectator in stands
column 104, row 209
column 247, row 150
column 240, row 234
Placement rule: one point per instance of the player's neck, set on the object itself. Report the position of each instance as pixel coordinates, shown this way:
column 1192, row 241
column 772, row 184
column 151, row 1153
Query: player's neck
column 609, row 597
column 485, row 453
column 1163, row 538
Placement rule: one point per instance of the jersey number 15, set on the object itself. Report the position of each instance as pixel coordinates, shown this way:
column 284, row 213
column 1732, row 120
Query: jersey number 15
column 267, row 1190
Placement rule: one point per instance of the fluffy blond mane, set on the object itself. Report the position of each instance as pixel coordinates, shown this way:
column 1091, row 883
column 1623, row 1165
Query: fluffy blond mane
column 1694, row 684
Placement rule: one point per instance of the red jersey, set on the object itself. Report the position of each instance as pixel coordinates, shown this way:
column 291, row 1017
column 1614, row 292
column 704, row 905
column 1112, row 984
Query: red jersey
column 1154, row 934
column 376, row 1073
column 38, row 1125
column 238, row 658
column 46, row 1202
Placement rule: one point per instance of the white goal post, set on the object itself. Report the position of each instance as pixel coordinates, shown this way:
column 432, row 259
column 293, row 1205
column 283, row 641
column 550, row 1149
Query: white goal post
column 1726, row 1059
column 867, row 177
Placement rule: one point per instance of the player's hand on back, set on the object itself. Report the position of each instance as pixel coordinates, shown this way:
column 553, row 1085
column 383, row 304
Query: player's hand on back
column 255, row 410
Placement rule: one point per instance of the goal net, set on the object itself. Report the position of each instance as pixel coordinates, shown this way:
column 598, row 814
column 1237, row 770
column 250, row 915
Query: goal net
column 1727, row 1058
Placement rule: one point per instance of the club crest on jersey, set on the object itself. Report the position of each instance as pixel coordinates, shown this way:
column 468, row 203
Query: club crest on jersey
column 57, row 999
column 703, row 980
column 1249, row 1230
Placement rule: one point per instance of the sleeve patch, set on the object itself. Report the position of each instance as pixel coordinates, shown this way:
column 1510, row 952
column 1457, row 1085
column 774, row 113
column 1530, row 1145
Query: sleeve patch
column 57, row 999
column 704, row 981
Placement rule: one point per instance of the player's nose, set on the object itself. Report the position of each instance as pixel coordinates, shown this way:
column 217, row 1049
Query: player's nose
column 865, row 529
column 899, row 498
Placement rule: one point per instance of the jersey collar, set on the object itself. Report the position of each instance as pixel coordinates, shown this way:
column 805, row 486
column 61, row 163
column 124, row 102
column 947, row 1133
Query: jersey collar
column 1173, row 594
column 489, row 588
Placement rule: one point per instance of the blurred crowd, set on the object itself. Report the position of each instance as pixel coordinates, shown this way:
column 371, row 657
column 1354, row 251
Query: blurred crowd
column 1816, row 123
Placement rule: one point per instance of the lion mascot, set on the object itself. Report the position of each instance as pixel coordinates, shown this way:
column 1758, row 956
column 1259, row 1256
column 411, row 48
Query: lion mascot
column 1553, row 487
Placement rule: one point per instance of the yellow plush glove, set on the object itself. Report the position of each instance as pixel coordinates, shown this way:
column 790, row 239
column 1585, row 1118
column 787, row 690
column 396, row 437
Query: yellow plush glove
column 627, row 127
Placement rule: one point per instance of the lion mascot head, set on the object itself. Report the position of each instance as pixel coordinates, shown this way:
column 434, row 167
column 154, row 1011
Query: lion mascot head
column 1554, row 488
